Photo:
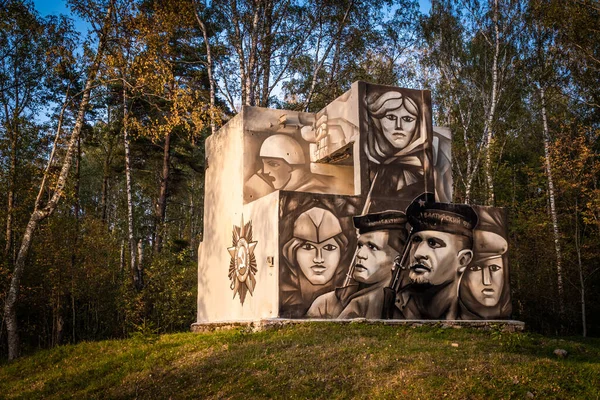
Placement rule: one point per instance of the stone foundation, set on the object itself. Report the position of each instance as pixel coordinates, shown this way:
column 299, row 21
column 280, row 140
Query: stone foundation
column 276, row 323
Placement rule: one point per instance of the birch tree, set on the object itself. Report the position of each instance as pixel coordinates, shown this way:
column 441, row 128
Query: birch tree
column 42, row 211
column 473, row 54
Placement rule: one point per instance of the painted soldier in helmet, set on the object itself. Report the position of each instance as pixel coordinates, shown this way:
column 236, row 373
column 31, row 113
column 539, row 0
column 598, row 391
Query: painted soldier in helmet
column 284, row 167
column 314, row 260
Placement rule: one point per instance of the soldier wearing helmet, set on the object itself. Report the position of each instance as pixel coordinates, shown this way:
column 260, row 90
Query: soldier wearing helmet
column 313, row 258
column 284, row 166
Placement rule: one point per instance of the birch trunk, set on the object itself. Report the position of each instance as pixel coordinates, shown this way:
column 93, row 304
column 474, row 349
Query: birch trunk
column 135, row 269
column 161, row 209
column 105, row 179
column 209, row 70
column 11, row 196
column 559, row 274
column 581, row 277
column 489, row 132
column 39, row 214
column 76, row 236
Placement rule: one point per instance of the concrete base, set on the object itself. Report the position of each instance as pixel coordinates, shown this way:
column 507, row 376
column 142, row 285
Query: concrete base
column 276, row 323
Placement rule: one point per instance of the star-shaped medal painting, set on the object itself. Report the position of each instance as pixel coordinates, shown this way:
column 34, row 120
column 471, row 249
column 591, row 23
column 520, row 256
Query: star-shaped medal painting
column 242, row 266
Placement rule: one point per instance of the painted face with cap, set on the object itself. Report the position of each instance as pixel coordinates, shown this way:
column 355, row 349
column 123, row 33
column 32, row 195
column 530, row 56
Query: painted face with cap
column 484, row 277
column 318, row 254
column 485, row 280
column 441, row 244
column 280, row 155
column 437, row 257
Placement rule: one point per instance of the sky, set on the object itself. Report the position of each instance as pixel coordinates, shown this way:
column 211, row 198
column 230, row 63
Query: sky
column 56, row 7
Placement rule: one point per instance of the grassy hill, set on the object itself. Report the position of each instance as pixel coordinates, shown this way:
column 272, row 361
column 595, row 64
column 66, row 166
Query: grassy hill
column 316, row 361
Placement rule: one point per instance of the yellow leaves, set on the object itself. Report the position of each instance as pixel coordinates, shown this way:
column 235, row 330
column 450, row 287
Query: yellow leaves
column 149, row 66
column 576, row 170
column 180, row 108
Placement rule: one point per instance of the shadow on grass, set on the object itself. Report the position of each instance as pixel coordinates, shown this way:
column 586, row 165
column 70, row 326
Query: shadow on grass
column 319, row 361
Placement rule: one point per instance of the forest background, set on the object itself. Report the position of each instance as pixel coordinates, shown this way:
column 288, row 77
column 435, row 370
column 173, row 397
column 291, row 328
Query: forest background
column 102, row 140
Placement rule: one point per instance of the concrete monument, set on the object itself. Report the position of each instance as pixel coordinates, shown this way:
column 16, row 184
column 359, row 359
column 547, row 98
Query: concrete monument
column 345, row 213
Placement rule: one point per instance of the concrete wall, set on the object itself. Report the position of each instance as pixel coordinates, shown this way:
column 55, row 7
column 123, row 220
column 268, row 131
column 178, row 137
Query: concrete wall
column 223, row 209
column 305, row 215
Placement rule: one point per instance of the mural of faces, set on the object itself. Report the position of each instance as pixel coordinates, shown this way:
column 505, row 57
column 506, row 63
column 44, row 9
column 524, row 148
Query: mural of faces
column 374, row 257
column 319, row 261
column 484, row 290
column 314, row 250
column 278, row 154
column 436, row 257
column 399, row 121
column 397, row 142
column 394, row 126
column 276, row 171
column 485, row 281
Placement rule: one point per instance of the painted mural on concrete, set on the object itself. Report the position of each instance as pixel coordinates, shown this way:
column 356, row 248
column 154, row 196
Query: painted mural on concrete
column 442, row 164
column 334, row 131
column 381, row 237
column 278, row 157
column 317, row 240
column 397, row 141
column 432, row 261
column 484, row 290
column 353, row 217
column 242, row 267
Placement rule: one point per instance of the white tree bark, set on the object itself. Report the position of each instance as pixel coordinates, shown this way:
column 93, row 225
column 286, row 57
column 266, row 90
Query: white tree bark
column 135, row 269
column 488, row 131
column 209, row 69
column 38, row 213
column 581, row 277
column 559, row 272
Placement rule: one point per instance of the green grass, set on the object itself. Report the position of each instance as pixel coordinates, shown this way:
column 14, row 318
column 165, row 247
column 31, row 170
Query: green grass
column 313, row 361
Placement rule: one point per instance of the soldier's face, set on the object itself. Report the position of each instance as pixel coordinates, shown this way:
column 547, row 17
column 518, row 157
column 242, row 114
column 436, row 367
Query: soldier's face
column 399, row 126
column 276, row 171
column 374, row 258
column 485, row 281
column 435, row 257
column 318, row 261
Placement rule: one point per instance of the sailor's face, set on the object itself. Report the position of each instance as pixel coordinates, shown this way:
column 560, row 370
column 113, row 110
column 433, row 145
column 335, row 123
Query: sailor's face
column 434, row 257
column 399, row 126
column 319, row 261
column 485, row 280
column 374, row 258
column 276, row 171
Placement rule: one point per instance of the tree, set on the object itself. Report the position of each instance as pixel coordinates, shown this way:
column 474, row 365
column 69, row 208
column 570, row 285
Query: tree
column 40, row 211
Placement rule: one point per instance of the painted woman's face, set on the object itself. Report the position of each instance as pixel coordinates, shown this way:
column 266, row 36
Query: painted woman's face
column 399, row 126
column 485, row 280
column 318, row 261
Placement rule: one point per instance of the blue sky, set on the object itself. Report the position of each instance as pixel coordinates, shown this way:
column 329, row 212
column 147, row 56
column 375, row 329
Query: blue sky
column 56, row 7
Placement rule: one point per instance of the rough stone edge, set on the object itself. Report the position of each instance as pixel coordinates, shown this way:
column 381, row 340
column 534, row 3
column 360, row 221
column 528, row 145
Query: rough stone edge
column 277, row 323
